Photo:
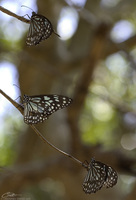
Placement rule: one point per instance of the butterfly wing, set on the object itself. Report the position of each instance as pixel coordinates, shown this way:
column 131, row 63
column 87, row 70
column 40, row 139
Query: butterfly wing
column 55, row 102
column 95, row 177
column 111, row 177
column 39, row 108
column 46, row 27
column 40, row 29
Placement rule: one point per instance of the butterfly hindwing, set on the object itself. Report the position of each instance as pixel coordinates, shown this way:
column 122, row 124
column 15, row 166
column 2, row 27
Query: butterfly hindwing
column 111, row 178
column 38, row 108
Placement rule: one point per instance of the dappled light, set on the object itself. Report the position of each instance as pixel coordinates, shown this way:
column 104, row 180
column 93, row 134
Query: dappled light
column 122, row 31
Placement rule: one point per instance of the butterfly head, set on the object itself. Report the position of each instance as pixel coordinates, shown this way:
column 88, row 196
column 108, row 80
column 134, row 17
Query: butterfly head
column 25, row 99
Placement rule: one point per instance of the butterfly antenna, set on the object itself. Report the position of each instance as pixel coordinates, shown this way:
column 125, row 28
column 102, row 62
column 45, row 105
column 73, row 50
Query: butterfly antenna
column 56, row 33
column 17, row 86
column 20, row 90
column 27, row 7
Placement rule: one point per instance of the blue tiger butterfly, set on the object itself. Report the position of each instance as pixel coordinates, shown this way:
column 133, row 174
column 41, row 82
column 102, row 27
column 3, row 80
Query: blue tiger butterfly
column 40, row 29
column 39, row 108
column 98, row 176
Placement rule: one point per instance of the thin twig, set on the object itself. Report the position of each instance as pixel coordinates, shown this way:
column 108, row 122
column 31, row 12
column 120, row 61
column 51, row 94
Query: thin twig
column 54, row 147
column 14, row 15
column 14, row 103
column 21, row 109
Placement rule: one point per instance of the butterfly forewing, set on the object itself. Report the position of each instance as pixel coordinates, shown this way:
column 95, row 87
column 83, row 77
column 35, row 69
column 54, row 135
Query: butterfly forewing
column 38, row 108
column 40, row 29
column 98, row 176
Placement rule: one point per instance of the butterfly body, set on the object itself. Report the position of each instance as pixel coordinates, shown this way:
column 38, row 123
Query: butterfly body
column 98, row 176
column 40, row 29
column 39, row 108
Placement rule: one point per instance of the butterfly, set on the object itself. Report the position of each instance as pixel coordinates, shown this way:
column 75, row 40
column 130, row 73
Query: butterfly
column 40, row 29
column 98, row 176
column 39, row 108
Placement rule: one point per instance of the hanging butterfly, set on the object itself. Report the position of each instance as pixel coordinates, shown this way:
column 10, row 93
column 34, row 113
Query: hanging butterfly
column 40, row 29
column 98, row 176
column 38, row 108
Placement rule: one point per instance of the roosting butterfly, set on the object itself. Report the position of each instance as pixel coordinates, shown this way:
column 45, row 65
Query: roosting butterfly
column 40, row 29
column 38, row 108
column 98, row 176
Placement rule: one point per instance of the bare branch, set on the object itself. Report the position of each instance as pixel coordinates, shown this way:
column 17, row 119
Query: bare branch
column 14, row 103
column 21, row 109
column 14, row 15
